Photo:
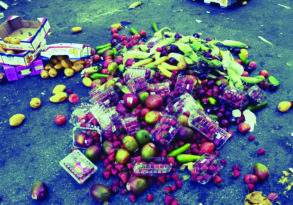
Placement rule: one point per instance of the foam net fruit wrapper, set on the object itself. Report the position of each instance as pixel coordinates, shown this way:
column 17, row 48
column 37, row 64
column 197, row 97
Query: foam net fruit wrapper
column 162, row 89
column 234, row 98
column 165, row 130
column 78, row 166
column 256, row 95
column 204, row 170
column 86, row 137
column 137, row 73
column 106, row 97
column 183, row 104
column 136, row 85
column 130, row 124
column 184, row 84
column 108, row 119
column 208, row 128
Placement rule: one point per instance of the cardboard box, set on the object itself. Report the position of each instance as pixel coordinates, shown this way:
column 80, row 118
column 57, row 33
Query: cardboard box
column 73, row 50
column 29, row 33
column 14, row 73
column 24, row 58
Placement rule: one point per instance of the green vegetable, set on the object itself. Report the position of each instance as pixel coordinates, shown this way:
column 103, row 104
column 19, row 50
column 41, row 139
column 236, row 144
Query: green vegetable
column 143, row 48
column 169, row 67
column 142, row 62
column 102, row 50
column 234, row 44
column 112, row 67
column 179, row 150
column 252, row 80
column 273, row 81
column 135, row 55
column 212, row 100
column 258, row 106
column 155, row 27
column 185, row 158
column 133, row 31
column 135, row 5
column 186, row 49
column 164, row 71
column 243, row 55
column 157, row 62
column 103, row 46
column 121, row 68
column 95, row 76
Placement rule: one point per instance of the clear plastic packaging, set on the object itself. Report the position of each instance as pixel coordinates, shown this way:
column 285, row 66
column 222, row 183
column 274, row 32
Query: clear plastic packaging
column 82, row 117
column 136, row 85
column 183, row 104
column 234, row 98
column 137, row 73
column 130, row 124
column 165, row 130
column 208, row 128
column 106, row 97
column 204, row 170
column 151, row 169
column 185, row 84
column 162, row 89
column 85, row 137
column 256, row 95
column 108, row 119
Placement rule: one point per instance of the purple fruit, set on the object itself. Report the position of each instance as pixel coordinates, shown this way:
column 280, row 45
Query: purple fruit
column 261, row 171
column 154, row 102
column 130, row 100
column 136, row 185
column 39, row 191
column 93, row 153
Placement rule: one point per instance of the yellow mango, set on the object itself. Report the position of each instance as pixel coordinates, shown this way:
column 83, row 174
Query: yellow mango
column 68, row 72
column 58, row 97
column 59, row 88
column 44, row 74
column 16, row 120
column 76, row 29
column 35, row 103
column 52, row 73
column 87, row 82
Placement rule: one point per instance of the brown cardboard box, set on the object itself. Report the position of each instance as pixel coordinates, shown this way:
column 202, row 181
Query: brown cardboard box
column 26, row 34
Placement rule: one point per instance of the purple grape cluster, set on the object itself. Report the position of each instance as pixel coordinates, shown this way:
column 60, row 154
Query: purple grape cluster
column 256, row 95
column 165, row 130
column 130, row 124
column 205, row 169
column 234, row 98
column 162, row 89
column 136, row 85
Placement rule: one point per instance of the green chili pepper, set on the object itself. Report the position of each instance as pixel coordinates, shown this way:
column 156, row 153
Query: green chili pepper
column 252, row 80
column 103, row 46
column 234, row 44
column 258, row 106
column 114, row 50
column 155, row 27
column 112, row 67
column 102, row 50
column 95, row 76
column 185, row 158
column 133, row 31
column 142, row 62
column 179, row 150
column 273, row 81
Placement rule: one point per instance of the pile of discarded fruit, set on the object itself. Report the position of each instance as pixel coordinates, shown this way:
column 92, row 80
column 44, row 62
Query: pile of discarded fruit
column 160, row 108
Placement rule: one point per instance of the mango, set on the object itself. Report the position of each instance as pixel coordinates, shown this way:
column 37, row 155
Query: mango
column 68, row 72
column 284, row 106
column 59, row 88
column 35, row 103
column 76, row 29
column 58, row 97
column 44, row 74
column 87, row 82
column 16, row 120
column 52, row 73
